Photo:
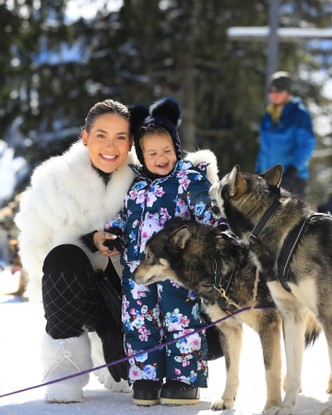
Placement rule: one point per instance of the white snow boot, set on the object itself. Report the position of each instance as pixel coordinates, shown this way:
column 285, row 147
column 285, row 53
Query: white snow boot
column 64, row 357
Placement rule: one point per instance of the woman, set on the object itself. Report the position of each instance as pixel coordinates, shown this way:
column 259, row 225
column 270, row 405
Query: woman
column 70, row 195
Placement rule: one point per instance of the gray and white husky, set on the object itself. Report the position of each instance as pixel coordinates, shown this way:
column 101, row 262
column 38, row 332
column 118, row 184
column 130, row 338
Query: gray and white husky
column 278, row 226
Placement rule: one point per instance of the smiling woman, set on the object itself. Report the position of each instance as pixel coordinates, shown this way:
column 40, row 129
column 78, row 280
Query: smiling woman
column 68, row 201
column 108, row 141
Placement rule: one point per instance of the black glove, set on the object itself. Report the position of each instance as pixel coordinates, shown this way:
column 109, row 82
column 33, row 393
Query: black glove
column 111, row 335
column 118, row 243
column 288, row 178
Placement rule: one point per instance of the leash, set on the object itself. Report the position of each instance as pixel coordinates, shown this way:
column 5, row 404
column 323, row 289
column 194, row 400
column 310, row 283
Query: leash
column 124, row 359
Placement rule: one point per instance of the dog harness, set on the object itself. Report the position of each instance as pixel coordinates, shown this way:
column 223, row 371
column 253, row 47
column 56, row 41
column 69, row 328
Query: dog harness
column 287, row 251
column 289, row 246
column 291, row 241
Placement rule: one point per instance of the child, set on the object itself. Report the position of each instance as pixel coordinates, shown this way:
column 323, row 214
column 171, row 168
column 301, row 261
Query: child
column 166, row 187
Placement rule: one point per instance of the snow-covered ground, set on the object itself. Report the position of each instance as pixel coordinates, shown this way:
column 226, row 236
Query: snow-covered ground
column 21, row 323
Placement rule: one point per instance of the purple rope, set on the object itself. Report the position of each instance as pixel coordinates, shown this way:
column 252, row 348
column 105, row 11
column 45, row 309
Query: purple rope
column 123, row 359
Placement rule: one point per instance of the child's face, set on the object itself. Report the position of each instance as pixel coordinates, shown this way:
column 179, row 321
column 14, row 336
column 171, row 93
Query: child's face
column 159, row 153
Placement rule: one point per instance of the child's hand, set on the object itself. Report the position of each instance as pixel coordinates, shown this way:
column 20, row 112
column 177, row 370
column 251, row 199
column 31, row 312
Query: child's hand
column 100, row 239
column 119, row 243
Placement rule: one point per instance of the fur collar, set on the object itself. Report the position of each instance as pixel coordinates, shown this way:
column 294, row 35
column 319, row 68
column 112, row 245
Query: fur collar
column 209, row 157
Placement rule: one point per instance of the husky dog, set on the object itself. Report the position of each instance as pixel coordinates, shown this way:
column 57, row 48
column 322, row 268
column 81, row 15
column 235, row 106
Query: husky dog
column 298, row 242
column 216, row 266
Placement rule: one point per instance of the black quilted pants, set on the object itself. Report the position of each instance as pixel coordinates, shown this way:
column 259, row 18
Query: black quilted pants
column 72, row 300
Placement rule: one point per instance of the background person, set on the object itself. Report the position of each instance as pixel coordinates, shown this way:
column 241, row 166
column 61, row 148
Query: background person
column 286, row 136
column 70, row 195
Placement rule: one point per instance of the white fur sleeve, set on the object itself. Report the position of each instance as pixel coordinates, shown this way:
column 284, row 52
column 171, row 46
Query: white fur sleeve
column 209, row 157
column 41, row 220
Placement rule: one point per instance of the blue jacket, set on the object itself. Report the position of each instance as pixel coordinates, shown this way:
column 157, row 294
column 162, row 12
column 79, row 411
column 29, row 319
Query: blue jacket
column 290, row 141
column 150, row 204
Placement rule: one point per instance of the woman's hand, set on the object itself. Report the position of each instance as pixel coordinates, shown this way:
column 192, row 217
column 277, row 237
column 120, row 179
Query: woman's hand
column 99, row 238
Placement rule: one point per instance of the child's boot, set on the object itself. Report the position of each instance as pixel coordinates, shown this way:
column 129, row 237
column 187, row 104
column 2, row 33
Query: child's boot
column 146, row 392
column 174, row 392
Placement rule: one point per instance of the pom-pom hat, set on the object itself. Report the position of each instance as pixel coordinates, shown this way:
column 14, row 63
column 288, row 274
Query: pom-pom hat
column 164, row 113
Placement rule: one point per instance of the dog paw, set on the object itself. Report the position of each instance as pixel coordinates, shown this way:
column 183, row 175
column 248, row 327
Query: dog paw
column 217, row 405
column 222, row 404
column 273, row 405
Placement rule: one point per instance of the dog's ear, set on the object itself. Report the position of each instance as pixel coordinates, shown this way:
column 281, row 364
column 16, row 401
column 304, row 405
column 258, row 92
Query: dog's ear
column 180, row 237
column 237, row 183
column 273, row 176
column 228, row 244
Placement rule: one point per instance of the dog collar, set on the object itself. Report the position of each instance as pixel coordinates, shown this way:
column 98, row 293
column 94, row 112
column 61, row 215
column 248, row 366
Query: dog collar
column 218, row 276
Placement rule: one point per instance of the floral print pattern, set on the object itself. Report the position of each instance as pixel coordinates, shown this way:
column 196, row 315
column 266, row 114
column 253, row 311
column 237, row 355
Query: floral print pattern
column 163, row 312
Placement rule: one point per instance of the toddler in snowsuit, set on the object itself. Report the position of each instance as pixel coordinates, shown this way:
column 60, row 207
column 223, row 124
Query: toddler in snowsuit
column 166, row 186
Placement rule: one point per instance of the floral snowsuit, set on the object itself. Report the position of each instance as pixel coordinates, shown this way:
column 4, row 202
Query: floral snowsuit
column 163, row 311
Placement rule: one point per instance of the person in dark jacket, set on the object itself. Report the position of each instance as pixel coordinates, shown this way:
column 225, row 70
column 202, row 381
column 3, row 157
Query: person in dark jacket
column 286, row 136
column 166, row 186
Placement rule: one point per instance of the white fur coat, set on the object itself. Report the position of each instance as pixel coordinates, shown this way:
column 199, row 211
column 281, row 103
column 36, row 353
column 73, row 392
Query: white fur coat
column 67, row 199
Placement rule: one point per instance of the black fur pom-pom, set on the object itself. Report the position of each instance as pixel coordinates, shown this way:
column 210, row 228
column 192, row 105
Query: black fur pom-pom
column 138, row 113
column 168, row 108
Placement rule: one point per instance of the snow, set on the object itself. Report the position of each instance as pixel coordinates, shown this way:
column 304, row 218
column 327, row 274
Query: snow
column 22, row 323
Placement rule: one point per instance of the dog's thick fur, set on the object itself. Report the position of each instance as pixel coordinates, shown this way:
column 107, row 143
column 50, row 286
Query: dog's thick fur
column 243, row 198
column 185, row 252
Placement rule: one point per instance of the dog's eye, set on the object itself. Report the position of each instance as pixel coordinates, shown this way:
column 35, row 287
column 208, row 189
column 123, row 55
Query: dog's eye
column 148, row 256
